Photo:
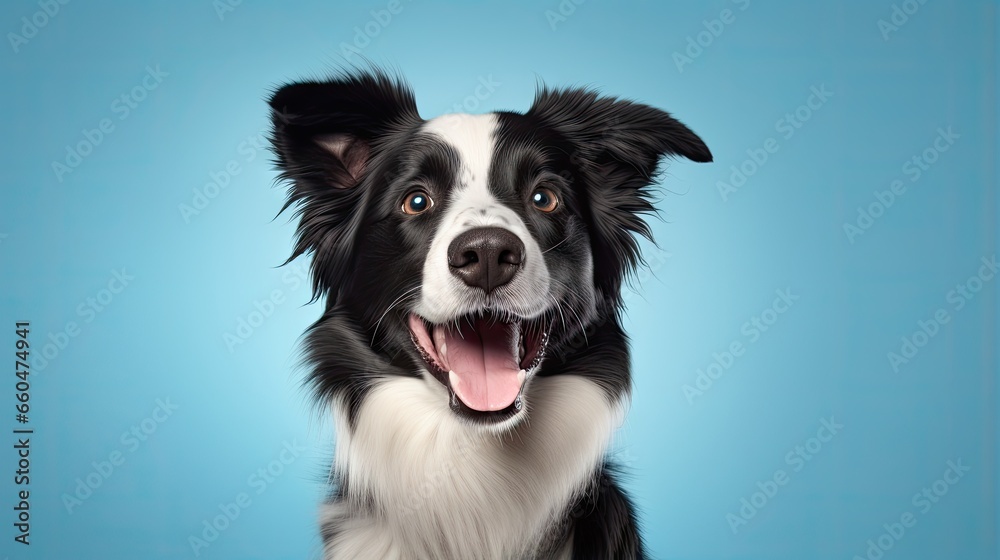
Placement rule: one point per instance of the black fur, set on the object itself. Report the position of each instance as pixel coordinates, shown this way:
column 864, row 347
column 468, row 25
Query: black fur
column 616, row 146
column 604, row 525
column 351, row 147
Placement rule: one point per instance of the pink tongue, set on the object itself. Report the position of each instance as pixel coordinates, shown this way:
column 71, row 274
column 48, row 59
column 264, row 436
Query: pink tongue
column 483, row 363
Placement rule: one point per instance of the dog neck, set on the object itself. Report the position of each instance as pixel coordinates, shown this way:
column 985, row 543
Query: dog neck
column 419, row 482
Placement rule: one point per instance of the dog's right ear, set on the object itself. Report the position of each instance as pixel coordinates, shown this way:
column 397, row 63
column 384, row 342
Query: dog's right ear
column 325, row 134
column 328, row 128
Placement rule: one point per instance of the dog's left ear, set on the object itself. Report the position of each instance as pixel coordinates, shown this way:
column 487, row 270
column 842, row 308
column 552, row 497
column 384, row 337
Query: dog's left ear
column 615, row 130
column 618, row 146
column 326, row 135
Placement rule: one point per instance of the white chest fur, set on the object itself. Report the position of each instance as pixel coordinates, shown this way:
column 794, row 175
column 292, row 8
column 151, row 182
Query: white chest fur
column 445, row 490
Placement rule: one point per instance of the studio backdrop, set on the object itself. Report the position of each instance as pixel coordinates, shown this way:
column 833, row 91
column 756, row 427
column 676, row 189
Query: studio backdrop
column 814, row 329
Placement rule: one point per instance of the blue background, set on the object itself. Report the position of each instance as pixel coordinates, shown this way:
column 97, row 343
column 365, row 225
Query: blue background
column 720, row 261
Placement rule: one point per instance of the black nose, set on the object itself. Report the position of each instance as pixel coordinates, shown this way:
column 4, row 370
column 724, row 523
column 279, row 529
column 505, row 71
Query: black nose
column 486, row 257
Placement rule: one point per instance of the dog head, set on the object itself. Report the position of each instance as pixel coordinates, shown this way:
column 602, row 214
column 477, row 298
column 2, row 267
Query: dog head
column 465, row 248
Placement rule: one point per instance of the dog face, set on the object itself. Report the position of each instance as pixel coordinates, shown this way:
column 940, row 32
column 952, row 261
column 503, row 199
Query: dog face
column 465, row 248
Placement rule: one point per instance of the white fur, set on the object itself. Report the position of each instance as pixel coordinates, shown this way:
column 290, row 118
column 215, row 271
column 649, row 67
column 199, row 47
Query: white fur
column 444, row 489
column 443, row 296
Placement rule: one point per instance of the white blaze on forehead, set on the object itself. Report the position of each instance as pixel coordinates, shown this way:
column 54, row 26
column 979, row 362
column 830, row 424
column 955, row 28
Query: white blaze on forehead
column 472, row 137
column 472, row 205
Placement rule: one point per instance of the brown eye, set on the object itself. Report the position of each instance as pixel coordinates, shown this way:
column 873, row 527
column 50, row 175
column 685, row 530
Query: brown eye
column 544, row 199
column 416, row 202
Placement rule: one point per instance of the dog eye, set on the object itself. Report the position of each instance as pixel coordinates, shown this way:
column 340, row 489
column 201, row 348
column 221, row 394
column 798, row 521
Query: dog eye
column 416, row 202
column 544, row 199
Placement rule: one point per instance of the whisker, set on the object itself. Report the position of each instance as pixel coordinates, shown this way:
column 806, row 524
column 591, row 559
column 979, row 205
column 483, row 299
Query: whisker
column 565, row 239
column 562, row 318
column 405, row 294
column 583, row 328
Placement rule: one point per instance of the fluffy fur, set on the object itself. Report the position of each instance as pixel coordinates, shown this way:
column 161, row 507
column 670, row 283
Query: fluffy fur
column 423, row 469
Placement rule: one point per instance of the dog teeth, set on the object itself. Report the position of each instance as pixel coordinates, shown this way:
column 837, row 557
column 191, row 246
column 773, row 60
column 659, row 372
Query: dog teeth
column 443, row 351
column 438, row 339
column 521, row 375
column 453, row 378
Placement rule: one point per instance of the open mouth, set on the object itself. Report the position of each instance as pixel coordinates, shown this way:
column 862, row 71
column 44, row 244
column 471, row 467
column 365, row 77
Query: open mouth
column 483, row 359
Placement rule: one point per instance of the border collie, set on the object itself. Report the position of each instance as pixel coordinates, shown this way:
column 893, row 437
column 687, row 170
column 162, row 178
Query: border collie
column 462, row 260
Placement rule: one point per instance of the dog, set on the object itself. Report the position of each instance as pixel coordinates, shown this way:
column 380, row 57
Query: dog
column 461, row 260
